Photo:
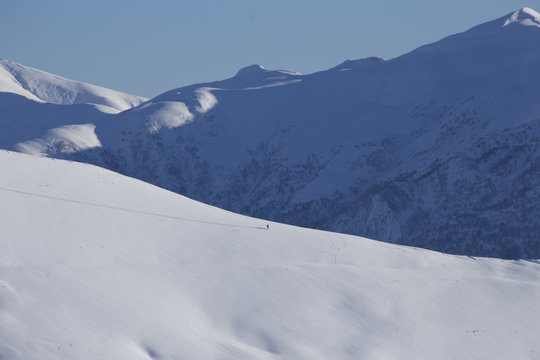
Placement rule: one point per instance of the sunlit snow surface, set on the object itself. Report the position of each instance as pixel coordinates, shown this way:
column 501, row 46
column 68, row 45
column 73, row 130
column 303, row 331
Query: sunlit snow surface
column 41, row 86
column 95, row 265
column 525, row 16
column 69, row 138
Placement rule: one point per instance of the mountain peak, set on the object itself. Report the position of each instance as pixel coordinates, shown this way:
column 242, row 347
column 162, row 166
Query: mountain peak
column 250, row 70
column 524, row 16
column 351, row 64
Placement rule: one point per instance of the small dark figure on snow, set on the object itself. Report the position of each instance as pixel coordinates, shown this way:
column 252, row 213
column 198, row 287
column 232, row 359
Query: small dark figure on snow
column 267, row 226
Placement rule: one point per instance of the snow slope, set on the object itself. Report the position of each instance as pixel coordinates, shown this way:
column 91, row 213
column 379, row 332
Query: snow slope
column 44, row 87
column 95, row 265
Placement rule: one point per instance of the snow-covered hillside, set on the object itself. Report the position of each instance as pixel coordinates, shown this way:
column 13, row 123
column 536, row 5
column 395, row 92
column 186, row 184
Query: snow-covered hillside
column 44, row 87
column 438, row 148
column 42, row 113
column 95, row 265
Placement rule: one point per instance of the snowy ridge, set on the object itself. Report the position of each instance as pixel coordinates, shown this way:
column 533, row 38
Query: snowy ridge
column 90, row 271
column 8, row 83
column 525, row 16
column 44, row 87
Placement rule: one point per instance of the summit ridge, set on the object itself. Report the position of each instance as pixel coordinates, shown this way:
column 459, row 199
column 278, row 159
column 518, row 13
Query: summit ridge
column 524, row 16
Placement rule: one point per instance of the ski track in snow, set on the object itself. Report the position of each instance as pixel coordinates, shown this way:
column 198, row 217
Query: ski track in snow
column 129, row 210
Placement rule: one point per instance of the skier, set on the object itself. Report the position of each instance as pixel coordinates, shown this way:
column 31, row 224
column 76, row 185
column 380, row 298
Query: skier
column 267, row 226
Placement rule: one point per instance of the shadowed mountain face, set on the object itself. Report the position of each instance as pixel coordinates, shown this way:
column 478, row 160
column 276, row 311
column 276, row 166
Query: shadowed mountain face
column 439, row 148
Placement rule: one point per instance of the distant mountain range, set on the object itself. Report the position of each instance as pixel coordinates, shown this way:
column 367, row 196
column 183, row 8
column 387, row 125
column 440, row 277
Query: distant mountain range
column 438, row 148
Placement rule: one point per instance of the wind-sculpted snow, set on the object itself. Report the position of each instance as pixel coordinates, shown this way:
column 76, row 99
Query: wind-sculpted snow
column 65, row 139
column 95, row 265
column 206, row 100
column 167, row 114
column 525, row 16
column 437, row 148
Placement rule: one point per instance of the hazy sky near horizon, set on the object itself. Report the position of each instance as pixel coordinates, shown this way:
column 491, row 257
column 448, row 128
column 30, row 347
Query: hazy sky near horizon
column 148, row 47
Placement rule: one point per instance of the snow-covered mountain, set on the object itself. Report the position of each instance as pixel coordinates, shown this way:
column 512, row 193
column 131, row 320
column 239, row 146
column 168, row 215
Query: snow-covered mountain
column 42, row 113
column 95, row 265
column 438, row 148
column 44, row 87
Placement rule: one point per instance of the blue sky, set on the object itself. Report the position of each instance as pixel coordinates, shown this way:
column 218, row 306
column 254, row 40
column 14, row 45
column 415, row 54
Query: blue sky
column 148, row 47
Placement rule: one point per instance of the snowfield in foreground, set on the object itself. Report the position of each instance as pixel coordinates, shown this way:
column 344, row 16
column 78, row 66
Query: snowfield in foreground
column 95, row 265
